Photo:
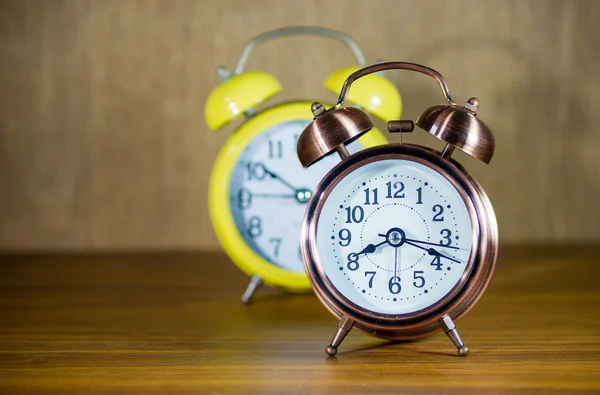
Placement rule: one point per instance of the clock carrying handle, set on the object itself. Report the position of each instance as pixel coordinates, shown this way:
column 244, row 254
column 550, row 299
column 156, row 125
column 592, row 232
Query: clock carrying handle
column 390, row 66
column 299, row 30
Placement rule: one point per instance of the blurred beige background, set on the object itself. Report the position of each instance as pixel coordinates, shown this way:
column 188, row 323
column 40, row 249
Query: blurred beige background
column 103, row 143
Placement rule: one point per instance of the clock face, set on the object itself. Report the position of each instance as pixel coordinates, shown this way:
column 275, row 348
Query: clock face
column 394, row 236
column 269, row 190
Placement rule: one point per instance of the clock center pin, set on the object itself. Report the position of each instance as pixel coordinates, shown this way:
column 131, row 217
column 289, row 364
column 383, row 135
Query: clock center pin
column 396, row 237
column 303, row 195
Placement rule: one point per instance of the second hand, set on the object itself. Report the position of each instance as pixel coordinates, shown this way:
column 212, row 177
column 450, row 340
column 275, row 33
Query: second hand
column 396, row 262
column 431, row 244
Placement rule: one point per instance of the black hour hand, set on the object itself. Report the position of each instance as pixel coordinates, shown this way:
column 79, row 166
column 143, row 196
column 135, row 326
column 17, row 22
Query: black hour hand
column 370, row 248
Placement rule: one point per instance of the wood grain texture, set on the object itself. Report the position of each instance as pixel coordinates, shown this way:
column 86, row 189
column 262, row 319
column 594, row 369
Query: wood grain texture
column 142, row 323
column 103, row 143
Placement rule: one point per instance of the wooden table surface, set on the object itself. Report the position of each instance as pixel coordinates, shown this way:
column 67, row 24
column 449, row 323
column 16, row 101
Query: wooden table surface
column 173, row 323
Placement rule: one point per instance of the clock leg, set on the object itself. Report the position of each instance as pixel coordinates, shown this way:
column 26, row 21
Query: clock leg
column 255, row 283
column 451, row 331
column 343, row 328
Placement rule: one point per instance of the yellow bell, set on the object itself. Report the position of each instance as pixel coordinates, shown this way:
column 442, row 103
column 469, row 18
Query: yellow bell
column 373, row 93
column 238, row 94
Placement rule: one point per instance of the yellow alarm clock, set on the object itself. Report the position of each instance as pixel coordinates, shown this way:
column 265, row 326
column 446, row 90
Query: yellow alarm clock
column 258, row 189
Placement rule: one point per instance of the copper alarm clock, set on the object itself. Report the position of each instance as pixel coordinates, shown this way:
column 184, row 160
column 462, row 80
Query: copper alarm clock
column 398, row 240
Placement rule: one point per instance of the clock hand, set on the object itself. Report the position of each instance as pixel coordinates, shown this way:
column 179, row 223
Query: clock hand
column 411, row 241
column 395, row 262
column 247, row 195
column 431, row 251
column 396, row 238
column 302, row 195
column 277, row 177
column 273, row 195
column 370, row 248
column 436, row 252
column 431, row 244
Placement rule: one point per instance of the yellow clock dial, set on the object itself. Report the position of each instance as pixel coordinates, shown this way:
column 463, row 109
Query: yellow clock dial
column 258, row 193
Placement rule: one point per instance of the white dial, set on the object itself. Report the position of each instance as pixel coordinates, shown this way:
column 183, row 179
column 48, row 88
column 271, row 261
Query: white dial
column 394, row 236
column 269, row 190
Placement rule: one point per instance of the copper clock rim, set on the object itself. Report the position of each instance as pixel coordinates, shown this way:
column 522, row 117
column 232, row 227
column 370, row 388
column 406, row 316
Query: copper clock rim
column 483, row 250
column 350, row 165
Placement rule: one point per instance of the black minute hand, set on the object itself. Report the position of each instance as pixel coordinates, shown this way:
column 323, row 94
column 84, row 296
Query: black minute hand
column 431, row 251
column 277, row 177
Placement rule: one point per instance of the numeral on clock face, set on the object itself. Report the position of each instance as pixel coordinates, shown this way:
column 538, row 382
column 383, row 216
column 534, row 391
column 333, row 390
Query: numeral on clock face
column 275, row 149
column 354, row 214
column 371, row 196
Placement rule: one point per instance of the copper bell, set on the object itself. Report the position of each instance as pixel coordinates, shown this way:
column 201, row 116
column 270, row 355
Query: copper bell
column 460, row 127
column 331, row 130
